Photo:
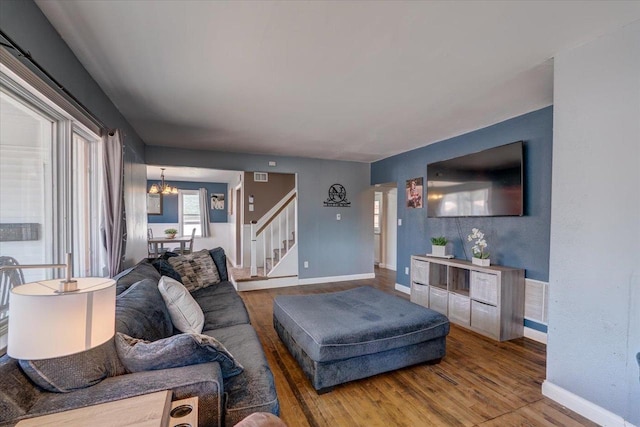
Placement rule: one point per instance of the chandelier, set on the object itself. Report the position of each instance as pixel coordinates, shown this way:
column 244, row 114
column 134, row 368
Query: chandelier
column 162, row 187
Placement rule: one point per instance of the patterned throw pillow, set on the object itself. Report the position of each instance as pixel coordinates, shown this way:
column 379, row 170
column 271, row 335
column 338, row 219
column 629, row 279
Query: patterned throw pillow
column 197, row 270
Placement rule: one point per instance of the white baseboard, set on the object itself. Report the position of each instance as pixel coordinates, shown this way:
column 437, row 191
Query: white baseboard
column 583, row 407
column 328, row 279
column 282, row 282
column 387, row 267
column 535, row 335
column 276, row 282
column 403, row 289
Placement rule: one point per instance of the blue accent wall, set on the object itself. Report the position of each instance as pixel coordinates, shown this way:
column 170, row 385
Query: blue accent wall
column 521, row 242
column 535, row 325
column 170, row 203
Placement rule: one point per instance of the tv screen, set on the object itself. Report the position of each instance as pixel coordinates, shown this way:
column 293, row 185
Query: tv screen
column 488, row 183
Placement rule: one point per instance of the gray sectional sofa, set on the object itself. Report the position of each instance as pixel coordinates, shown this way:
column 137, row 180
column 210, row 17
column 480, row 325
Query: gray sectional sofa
column 141, row 313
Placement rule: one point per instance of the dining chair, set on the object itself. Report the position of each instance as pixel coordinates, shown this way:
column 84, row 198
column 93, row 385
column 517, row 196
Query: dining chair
column 8, row 280
column 151, row 246
column 188, row 246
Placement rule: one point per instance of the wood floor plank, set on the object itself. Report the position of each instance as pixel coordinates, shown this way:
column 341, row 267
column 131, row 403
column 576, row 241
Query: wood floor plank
column 480, row 382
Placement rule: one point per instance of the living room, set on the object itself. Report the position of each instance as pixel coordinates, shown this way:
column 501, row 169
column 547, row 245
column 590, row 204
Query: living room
column 581, row 169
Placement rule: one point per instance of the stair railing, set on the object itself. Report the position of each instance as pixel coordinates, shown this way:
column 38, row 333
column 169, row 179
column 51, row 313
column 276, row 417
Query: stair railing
column 278, row 226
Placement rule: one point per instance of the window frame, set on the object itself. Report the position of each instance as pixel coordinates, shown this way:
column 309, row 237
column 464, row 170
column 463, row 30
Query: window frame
column 181, row 194
column 60, row 217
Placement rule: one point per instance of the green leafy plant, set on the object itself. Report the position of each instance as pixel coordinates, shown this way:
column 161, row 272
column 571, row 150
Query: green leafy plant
column 170, row 231
column 439, row 241
column 480, row 244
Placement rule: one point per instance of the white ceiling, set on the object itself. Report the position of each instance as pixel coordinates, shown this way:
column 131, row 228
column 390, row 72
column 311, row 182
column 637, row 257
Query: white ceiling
column 327, row 79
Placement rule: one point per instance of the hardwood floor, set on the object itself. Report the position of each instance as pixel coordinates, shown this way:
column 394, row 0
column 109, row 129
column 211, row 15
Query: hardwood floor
column 480, row 382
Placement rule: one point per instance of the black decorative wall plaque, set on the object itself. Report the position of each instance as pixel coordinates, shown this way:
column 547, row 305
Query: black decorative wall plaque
column 337, row 197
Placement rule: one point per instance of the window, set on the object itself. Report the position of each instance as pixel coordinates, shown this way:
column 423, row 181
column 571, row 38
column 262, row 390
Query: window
column 189, row 212
column 49, row 187
column 377, row 204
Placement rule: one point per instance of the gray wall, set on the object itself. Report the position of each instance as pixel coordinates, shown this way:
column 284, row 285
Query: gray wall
column 333, row 248
column 594, row 273
column 23, row 21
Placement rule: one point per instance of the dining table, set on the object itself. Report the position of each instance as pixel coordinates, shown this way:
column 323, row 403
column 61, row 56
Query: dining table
column 160, row 241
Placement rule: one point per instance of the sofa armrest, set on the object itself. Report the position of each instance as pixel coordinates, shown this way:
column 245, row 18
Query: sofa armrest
column 202, row 380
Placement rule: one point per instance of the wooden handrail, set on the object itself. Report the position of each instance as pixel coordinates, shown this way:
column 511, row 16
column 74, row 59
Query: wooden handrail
column 276, row 213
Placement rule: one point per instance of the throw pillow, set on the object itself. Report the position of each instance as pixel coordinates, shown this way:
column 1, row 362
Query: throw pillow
column 186, row 314
column 173, row 352
column 142, row 270
column 197, row 270
column 169, row 254
column 220, row 260
column 165, row 269
column 76, row 371
column 142, row 313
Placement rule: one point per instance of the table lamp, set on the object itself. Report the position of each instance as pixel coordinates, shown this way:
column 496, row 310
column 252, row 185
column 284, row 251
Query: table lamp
column 53, row 318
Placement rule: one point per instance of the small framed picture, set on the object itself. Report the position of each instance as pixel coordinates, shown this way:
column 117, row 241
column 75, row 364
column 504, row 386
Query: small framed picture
column 154, row 204
column 217, row 201
column 414, row 193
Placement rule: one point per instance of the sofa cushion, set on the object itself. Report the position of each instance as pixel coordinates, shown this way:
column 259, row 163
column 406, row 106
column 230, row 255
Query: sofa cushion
column 142, row 313
column 253, row 390
column 142, row 270
column 220, row 259
column 203, row 380
column 197, row 270
column 179, row 350
column 76, row 371
column 222, row 306
column 185, row 312
column 165, row 269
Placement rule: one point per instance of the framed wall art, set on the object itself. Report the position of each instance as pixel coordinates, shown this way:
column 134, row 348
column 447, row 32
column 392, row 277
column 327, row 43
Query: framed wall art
column 414, row 190
column 154, row 204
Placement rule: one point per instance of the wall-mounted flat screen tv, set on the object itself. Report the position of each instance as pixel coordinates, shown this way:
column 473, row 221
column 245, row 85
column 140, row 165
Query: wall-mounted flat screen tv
column 487, row 183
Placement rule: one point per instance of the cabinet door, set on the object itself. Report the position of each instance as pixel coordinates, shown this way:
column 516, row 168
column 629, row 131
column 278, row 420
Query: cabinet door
column 485, row 317
column 420, row 294
column 420, row 271
column 459, row 309
column 484, row 287
column 438, row 299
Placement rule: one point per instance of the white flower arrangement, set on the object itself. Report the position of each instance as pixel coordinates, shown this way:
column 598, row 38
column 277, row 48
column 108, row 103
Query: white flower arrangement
column 480, row 244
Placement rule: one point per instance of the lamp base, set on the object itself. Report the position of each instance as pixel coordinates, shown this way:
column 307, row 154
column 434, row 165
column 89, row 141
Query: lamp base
column 66, row 286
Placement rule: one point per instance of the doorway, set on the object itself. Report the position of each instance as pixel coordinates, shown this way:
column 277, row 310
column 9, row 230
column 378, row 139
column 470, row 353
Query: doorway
column 385, row 218
column 238, row 207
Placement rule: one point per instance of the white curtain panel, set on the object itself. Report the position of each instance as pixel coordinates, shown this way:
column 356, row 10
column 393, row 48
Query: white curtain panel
column 114, row 223
column 204, row 212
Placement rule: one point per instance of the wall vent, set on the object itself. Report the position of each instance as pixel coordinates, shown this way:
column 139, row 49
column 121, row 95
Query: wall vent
column 260, row 177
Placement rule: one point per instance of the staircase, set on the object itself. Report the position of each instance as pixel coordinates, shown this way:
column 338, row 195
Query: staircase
column 275, row 235
column 280, row 252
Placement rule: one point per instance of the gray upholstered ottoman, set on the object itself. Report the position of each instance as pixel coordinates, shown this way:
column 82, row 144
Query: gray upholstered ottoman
column 344, row 336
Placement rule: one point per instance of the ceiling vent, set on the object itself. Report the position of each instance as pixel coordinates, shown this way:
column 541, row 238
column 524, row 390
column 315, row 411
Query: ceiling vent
column 260, row 177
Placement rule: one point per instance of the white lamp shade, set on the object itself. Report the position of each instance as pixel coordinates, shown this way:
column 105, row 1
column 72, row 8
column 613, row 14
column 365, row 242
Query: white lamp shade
column 45, row 324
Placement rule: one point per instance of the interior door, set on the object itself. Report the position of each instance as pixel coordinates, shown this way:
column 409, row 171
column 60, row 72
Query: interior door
column 238, row 201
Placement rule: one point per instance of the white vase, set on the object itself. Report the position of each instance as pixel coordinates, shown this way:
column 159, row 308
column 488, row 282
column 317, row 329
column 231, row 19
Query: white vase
column 440, row 251
column 486, row 262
